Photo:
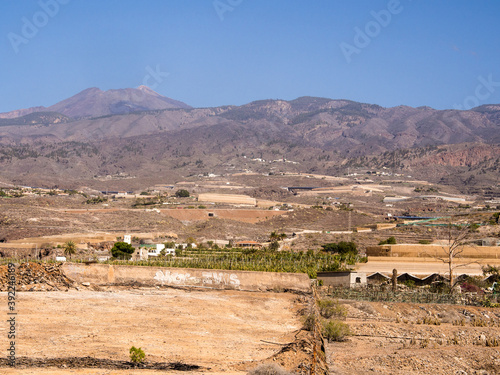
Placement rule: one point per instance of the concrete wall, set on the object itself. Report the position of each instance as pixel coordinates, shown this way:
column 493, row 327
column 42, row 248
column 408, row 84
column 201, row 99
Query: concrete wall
column 157, row 276
column 346, row 279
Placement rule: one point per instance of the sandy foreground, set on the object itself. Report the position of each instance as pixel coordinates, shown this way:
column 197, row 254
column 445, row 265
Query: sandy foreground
column 221, row 331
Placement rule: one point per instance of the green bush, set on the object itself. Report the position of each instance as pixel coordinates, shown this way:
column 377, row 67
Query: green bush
column 495, row 219
column 182, row 193
column 474, row 227
column 329, row 308
column 137, row 355
column 409, row 283
column 389, row 241
column 96, row 200
column 335, row 330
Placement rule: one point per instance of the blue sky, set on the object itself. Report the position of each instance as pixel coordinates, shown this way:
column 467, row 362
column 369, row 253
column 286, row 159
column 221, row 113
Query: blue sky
column 210, row 53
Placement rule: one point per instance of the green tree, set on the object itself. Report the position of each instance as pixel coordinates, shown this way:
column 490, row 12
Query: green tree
column 274, row 245
column 342, row 248
column 274, row 239
column 122, row 250
column 182, row 193
column 137, row 355
column 69, row 248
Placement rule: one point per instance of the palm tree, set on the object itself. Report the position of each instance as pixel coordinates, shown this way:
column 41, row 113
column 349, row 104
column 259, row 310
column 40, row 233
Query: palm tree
column 273, row 236
column 69, row 248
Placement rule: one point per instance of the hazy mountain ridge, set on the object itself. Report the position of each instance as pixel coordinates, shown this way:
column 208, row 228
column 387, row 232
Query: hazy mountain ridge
column 94, row 102
column 317, row 134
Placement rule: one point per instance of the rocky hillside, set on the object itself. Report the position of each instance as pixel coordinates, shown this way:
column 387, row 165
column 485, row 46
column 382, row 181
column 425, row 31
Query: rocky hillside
column 307, row 134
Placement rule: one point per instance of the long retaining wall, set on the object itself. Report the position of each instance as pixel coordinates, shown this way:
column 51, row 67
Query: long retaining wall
column 432, row 250
column 102, row 274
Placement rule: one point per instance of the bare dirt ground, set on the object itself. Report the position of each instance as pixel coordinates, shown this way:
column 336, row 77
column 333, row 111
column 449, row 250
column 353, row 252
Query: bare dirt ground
column 221, row 331
column 248, row 216
column 391, row 338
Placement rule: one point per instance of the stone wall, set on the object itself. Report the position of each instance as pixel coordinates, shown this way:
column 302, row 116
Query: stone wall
column 432, row 250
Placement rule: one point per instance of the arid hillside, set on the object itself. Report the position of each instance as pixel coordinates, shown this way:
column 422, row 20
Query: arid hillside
column 313, row 135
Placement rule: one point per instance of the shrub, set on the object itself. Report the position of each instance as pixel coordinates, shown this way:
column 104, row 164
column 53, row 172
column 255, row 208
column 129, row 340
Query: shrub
column 474, row 227
column 478, row 322
column 487, row 303
column 424, row 242
column 329, row 308
column 409, row 283
column 335, row 330
column 440, row 287
column 473, row 284
column 430, row 320
column 470, row 288
column 269, row 369
column 496, row 218
column 96, row 200
column 389, row 241
column 137, row 355
column 309, row 322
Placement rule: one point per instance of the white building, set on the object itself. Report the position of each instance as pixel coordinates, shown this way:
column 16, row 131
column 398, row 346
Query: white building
column 127, row 239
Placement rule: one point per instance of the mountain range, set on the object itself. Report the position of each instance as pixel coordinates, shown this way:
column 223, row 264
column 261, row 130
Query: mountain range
column 94, row 102
column 138, row 132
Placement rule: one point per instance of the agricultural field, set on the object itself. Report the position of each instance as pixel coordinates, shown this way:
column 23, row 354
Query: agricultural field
column 253, row 260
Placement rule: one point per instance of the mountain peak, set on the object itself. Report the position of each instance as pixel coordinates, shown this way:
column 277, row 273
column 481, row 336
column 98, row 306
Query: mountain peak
column 93, row 102
column 148, row 90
